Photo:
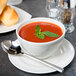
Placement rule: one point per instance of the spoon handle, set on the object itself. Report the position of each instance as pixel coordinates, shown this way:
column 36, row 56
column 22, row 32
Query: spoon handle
column 57, row 68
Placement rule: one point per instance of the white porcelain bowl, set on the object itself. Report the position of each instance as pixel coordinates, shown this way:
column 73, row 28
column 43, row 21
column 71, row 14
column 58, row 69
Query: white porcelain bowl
column 41, row 50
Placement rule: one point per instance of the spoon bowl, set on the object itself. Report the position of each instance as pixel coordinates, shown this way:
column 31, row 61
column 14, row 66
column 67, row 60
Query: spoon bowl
column 11, row 47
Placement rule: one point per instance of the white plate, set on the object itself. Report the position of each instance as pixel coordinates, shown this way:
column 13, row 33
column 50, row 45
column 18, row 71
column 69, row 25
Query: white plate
column 23, row 16
column 62, row 58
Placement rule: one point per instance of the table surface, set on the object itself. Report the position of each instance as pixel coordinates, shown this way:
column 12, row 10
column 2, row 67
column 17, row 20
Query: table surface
column 37, row 9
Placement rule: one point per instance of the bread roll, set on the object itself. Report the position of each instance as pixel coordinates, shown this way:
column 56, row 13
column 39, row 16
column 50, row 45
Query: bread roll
column 9, row 16
column 3, row 4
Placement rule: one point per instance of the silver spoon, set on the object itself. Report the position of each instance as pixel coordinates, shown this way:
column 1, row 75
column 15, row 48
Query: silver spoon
column 12, row 47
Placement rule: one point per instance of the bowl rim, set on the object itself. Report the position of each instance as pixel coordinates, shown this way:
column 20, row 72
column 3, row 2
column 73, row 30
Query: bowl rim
column 43, row 21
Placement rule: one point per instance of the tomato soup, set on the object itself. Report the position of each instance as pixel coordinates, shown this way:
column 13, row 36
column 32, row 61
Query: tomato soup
column 27, row 32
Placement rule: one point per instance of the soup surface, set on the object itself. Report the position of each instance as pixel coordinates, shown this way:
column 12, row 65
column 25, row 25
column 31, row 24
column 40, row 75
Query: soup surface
column 27, row 32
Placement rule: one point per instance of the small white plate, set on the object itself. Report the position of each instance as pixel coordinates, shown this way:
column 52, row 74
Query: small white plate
column 23, row 16
column 62, row 58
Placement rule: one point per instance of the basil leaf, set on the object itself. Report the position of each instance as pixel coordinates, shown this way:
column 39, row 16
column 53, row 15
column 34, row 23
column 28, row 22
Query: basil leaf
column 37, row 29
column 50, row 34
column 40, row 35
column 38, row 32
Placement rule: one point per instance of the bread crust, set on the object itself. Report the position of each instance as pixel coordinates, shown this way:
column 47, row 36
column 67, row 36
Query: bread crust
column 3, row 4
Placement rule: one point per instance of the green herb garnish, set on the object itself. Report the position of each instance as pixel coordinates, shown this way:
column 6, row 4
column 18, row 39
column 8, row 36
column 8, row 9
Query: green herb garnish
column 38, row 32
column 41, row 35
column 50, row 34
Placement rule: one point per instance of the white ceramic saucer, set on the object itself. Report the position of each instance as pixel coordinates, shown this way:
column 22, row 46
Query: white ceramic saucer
column 62, row 58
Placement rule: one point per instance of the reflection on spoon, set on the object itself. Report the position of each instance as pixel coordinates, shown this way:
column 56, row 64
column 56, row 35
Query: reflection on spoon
column 12, row 47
